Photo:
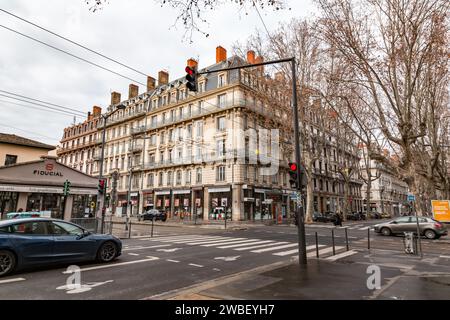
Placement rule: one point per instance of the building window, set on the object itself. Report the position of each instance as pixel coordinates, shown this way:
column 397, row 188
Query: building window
column 150, row 180
column 153, row 140
column 178, row 177
column 199, row 175
column 220, row 148
column 220, row 173
column 11, row 159
column 188, row 176
column 122, row 163
column 199, row 129
column 220, row 123
column 169, row 178
column 221, row 100
column 160, row 179
column 245, row 172
column 221, row 80
column 154, row 121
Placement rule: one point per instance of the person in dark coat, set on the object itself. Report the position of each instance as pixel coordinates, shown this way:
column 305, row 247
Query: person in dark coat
column 338, row 221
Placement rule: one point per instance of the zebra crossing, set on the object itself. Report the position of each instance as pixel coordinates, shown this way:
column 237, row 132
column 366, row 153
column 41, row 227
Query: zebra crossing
column 254, row 246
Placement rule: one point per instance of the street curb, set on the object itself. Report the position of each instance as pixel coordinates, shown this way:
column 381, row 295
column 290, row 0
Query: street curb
column 197, row 288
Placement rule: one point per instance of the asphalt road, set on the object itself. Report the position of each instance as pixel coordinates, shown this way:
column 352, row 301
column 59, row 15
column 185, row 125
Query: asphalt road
column 178, row 257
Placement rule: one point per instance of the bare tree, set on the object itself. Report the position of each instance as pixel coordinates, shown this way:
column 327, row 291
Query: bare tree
column 388, row 48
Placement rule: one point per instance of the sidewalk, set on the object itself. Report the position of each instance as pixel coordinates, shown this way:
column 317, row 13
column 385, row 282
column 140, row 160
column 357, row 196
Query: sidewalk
column 403, row 277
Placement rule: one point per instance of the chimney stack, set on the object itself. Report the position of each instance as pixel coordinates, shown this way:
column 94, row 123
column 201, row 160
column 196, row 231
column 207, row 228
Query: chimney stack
column 115, row 98
column 251, row 56
column 89, row 117
column 150, row 83
column 97, row 111
column 163, row 78
column 221, row 54
column 192, row 63
column 133, row 91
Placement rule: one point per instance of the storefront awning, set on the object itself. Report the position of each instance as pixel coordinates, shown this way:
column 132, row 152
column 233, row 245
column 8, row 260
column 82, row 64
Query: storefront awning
column 160, row 193
column 226, row 189
column 44, row 189
column 187, row 191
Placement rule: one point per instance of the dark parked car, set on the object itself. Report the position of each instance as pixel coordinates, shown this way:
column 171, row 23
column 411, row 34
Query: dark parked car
column 153, row 214
column 428, row 227
column 374, row 215
column 32, row 242
column 331, row 216
column 319, row 217
column 353, row 216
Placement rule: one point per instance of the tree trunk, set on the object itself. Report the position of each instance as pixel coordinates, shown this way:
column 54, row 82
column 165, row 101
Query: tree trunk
column 309, row 199
column 368, row 193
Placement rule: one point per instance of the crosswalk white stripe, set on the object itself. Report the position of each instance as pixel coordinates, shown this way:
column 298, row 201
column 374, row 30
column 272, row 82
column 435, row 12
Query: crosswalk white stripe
column 171, row 237
column 341, row 255
column 244, row 244
column 285, row 253
column 193, row 238
column 261, row 246
column 323, row 251
column 196, row 239
column 214, row 241
column 227, row 242
column 365, row 228
column 275, row 248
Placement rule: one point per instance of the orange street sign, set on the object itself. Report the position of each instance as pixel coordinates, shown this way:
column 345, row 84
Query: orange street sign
column 441, row 210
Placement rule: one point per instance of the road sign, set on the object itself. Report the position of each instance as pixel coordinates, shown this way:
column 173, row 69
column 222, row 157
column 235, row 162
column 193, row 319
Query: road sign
column 411, row 197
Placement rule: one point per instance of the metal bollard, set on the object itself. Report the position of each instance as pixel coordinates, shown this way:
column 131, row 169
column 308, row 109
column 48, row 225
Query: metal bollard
column 332, row 238
column 152, row 229
column 317, row 246
column 368, row 238
column 346, row 238
column 129, row 230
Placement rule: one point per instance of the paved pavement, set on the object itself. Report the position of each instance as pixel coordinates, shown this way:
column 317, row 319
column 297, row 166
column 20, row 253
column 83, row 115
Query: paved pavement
column 200, row 263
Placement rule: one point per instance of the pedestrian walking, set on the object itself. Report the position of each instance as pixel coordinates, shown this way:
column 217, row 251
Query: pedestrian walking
column 338, row 221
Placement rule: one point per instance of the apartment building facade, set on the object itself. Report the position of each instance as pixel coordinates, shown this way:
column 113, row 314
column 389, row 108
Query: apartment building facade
column 79, row 142
column 189, row 154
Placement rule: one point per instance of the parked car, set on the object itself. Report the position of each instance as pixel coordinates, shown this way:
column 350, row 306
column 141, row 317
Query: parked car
column 331, row 216
column 153, row 214
column 353, row 216
column 320, row 217
column 361, row 216
column 33, row 242
column 374, row 215
column 428, row 227
column 386, row 215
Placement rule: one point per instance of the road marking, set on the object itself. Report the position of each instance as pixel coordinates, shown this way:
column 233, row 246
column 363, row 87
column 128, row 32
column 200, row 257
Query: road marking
column 285, row 253
column 214, row 241
column 183, row 236
column 261, row 246
column 12, row 280
column 341, row 255
column 245, row 244
column 169, row 250
column 227, row 258
column 198, row 239
column 228, row 242
column 170, row 260
column 133, row 254
column 445, row 257
column 215, row 269
column 275, row 248
column 323, row 251
column 150, row 247
column 196, row 265
column 150, row 258
column 80, row 288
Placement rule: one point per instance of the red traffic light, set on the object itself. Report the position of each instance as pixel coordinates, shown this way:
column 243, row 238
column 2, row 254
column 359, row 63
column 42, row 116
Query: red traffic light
column 293, row 166
column 189, row 70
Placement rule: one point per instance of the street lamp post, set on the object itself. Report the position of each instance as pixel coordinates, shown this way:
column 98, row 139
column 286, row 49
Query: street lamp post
column 102, row 200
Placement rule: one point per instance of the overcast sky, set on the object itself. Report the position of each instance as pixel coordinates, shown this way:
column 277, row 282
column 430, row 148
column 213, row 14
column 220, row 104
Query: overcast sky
column 135, row 32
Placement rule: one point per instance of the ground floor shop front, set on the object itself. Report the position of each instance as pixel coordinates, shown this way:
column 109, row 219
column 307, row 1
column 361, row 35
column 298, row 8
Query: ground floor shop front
column 37, row 187
column 237, row 203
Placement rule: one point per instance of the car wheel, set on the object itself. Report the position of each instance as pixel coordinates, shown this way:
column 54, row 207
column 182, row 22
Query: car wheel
column 430, row 234
column 386, row 231
column 7, row 262
column 107, row 252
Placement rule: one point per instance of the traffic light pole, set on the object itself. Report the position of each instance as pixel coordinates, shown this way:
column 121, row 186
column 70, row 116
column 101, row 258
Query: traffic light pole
column 101, row 197
column 300, row 213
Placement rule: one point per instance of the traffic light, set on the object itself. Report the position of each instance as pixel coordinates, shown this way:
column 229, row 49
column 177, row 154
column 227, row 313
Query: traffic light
column 191, row 78
column 293, row 175
column 101, row 186
column 66, row 189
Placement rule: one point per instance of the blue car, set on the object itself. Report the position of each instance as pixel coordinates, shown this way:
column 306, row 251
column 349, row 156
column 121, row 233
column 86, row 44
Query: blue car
column 32, row 242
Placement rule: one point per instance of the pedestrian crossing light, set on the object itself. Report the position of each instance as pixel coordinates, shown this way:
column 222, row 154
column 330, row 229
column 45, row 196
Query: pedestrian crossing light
column 66, row 188
column 293, row 175
column 101, row 186
column 191, row 78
